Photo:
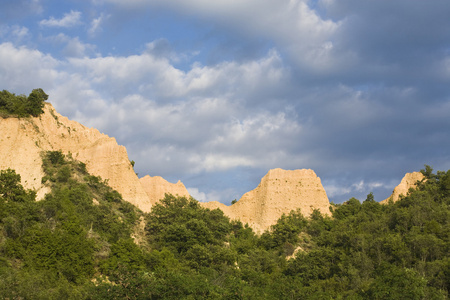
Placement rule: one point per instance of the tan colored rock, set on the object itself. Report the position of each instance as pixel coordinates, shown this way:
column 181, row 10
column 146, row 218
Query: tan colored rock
column 23, row 140
column 408, row 181
column 156, row 187
column 229, row 211
column 279, row 192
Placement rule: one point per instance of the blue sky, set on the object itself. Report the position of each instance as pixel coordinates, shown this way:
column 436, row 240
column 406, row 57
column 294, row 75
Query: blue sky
column 216, row 93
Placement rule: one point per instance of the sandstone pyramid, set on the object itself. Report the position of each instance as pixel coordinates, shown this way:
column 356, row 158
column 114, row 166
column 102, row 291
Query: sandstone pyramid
column 279, row 192
column 156, row 187
column 22, row 141
column 408, row 181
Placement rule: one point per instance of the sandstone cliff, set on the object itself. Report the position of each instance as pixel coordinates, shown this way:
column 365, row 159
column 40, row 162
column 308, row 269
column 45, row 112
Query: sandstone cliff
column 156, row 187
column 279, row 192
column 23, row 140
column 408, row 181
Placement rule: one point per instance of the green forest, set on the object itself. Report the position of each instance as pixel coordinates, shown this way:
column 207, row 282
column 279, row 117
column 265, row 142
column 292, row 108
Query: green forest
column 84, row 242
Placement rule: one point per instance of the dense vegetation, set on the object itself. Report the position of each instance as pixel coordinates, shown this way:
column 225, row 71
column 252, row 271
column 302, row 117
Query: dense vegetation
column 77, row 244
column 12, row 105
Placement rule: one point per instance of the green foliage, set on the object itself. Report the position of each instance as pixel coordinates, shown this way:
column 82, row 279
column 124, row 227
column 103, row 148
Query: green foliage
column 285, row 233
column 179, row 223
column 77, row 244
column 35, row 102
column 349, row 208
column 22, row 106
column 55, row 158
column 11, row 189
column 65, row 250
column 65, row 238
column 381, row 251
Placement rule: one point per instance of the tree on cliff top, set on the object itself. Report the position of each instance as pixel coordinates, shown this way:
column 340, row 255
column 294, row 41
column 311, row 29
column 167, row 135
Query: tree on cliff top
column 22, row 106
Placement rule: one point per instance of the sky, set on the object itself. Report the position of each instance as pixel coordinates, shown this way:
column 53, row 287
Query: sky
column 217, row 93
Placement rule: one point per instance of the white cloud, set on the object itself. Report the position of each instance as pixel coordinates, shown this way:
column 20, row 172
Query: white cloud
column 68, row 20
column 73, row 47
column 15, row 33
column 359, row 189
column 195, row 133
column 96, row 25
column 196, row 194
column 225, row 78
column 292, row 24
column 205, row 127
column 20, row 32
column 156, row 76
column 334, row 190
column 22, row 68
column 210, row 162
column 219, row 196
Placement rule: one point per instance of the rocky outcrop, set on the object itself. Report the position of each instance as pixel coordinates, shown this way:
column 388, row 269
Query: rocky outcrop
column 156, row 187
column 408, row 181
column 22, row 141
column 279, row 192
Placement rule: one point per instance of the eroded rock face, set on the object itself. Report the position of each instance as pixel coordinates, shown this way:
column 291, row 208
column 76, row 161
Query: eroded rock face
column 279, row 192
column 23, row 140
column 408, row 181
column 156, row 187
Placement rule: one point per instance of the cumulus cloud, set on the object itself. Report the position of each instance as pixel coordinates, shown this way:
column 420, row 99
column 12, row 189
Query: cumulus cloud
column 203, row 133
column 76, row 48
column 205, row 125
column 22, row 68
column 157, row 78
column 204, row 197
column 73, row 47
column 68, row 20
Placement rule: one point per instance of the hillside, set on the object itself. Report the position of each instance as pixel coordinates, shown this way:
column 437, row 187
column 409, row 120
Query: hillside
column 83, row 241
column 79, row 243
column 22, row 141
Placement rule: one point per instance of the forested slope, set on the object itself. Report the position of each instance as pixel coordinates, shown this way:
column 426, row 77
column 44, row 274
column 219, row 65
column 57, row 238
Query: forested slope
column 77, row 244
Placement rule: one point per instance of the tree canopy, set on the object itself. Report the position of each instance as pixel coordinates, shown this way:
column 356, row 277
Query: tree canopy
column 82, row 241
column 12, row 105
